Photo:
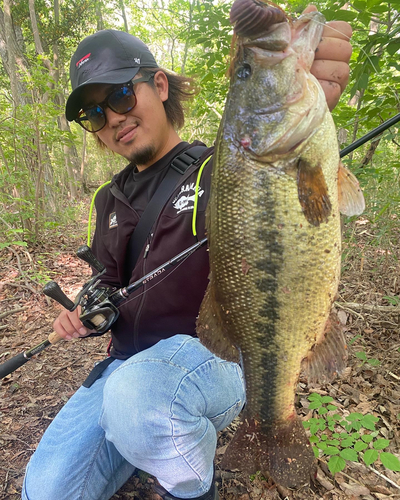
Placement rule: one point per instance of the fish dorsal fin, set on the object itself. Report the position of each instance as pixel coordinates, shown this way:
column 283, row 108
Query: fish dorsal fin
column 328, row 357
column 351, row 198
column 313, row 193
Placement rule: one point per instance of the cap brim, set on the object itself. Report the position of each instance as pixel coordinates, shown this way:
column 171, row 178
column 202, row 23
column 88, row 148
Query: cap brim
column 74, row 102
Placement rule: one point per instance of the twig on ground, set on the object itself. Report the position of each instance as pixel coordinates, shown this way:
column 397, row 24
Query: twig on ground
column 18, row 285
column 342, row 306
column 67, row 366
column 384, row 477
column 368, row 307
column 343, row 473
column 12, row 311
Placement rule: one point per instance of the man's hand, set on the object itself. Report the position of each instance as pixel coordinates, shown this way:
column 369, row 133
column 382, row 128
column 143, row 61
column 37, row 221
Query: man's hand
column 331, row 63
column 68, row 325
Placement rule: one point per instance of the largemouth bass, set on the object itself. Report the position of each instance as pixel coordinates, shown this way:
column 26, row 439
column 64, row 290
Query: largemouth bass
column 274, row 236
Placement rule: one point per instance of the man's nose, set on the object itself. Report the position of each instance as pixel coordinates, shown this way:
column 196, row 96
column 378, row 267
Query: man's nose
column 113, row 118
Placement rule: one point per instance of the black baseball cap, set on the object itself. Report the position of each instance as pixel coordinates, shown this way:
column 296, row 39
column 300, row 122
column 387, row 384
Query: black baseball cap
column 108, row 56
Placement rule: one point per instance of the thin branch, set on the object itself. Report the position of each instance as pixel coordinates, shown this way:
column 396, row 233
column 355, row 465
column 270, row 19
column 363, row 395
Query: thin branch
column 384, row 477
column 12, row 311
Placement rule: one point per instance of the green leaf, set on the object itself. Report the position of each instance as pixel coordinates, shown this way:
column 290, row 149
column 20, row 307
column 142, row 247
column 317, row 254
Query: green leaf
column 316, row 451
column 322, row 446
column 332, row 450
column 331, row 407
column 363, row 84
column 370, row 456
column 367, row 438
column 336, row 464
column 349, row 454
column 368, row 422
column 373, row 362
column 315, row 405
column 346, row 443
column 322, row 411
column 314, row 439
column 327, row 399
column 390, row 461
column 393, row 47
column 354, row 416
column 360, row 445
column 339, row 15
column 381, row 444
column 333, row 442
column 361, row 355
column 314, row 397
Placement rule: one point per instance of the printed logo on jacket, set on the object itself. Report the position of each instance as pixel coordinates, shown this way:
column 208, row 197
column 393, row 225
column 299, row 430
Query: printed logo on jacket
column 112, row 220
column 184, row 201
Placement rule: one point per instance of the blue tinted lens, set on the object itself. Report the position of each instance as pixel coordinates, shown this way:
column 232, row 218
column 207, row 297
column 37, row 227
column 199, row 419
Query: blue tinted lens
column 122, row 100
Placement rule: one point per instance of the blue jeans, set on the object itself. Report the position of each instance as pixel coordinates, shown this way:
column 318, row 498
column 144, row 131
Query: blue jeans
column 158, row 411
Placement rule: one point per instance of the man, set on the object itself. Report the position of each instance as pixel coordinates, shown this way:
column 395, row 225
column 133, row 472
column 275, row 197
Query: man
column 159, row 404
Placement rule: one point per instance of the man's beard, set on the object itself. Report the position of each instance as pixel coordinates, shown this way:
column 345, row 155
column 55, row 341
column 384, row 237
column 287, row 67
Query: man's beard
column 144, row 156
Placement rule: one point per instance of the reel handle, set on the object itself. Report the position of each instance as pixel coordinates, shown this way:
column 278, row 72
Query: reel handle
column 85, row 254
column 53, row 290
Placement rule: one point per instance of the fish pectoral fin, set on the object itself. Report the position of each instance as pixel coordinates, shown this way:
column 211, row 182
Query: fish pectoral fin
column 351, row 198
column 282, row 452
column 328, row 357
column 313, row 193
column 212, row 330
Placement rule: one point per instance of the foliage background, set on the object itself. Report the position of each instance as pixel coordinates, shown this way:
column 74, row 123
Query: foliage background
column 48, row 166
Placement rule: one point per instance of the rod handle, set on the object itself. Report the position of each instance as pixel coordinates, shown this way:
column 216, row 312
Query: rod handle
column 53, row 338
column 12, row 364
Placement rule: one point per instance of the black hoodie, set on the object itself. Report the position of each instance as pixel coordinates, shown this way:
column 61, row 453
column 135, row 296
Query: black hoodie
column 170, row 303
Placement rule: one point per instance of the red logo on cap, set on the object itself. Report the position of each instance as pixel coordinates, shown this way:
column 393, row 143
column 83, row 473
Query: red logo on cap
column 83, row 60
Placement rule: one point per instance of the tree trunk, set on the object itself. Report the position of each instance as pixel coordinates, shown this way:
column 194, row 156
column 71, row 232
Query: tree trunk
column 370, row 152
column 122, row 5
column 99, row 16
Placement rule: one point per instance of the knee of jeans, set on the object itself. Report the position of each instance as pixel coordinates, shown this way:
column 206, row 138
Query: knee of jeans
column 135, row 408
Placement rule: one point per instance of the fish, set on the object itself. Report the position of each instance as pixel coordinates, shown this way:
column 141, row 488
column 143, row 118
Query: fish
column 274, row 235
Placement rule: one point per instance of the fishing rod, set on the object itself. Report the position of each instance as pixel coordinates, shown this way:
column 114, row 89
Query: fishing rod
column 370, row 135
column 99, row 305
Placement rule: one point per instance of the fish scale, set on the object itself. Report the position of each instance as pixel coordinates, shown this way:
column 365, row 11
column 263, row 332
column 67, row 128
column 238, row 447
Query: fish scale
column 273, row 227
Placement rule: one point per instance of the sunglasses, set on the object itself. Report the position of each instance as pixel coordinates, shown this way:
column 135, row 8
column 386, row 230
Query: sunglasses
column 121, row 100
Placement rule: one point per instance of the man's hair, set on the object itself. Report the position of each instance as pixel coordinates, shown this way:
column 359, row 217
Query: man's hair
column 180, row 89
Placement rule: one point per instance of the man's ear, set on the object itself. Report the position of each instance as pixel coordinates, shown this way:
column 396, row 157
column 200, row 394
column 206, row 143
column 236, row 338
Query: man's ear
column 161, row 84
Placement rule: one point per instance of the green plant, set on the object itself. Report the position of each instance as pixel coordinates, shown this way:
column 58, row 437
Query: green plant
column 346, row 438
column 372, row 361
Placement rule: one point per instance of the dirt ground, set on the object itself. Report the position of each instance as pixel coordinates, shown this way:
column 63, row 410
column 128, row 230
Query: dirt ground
column 31, row 396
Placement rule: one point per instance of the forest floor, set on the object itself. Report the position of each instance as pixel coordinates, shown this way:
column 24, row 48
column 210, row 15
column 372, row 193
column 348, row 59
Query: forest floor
column 369, row 308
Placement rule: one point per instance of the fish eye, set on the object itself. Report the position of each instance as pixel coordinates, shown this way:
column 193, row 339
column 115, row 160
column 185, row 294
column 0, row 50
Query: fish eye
column 244, row 71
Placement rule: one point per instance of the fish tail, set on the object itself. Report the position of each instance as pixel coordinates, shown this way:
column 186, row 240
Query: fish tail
column 282, row 452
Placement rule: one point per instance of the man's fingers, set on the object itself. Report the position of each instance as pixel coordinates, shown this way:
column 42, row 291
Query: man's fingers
column 332, row 92
column 332, row 71
column 333, row 49
column 310, row 8
column 337, row 29
column 68, row 325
